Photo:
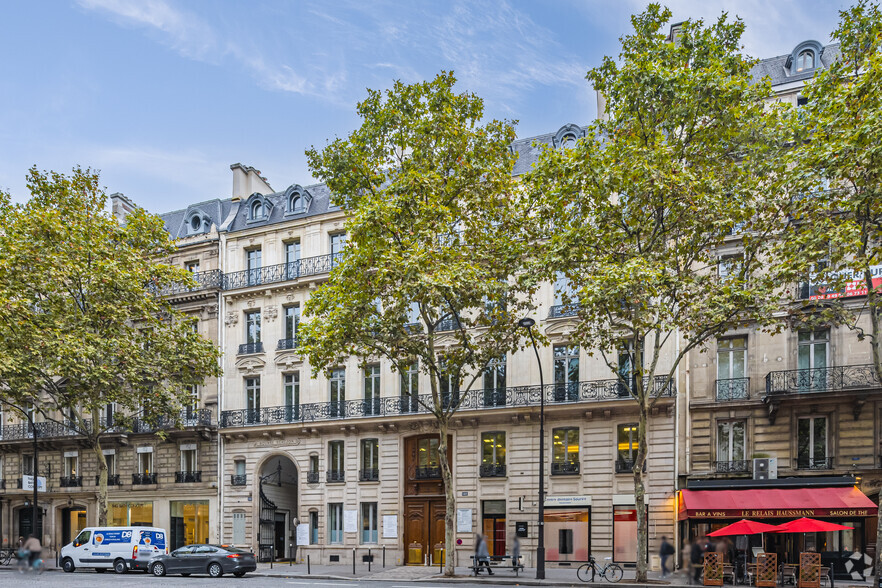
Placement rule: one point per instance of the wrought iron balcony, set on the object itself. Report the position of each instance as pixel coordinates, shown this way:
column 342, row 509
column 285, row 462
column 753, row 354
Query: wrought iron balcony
column 814, row 463
column 143, row 479
column 427, row 472
column 283, row 272
column 738, row 466
column 188, row 477
column 335, row 476
column 112, row 480
column 492, row 470
column 246, row 348
column 564, row 468
column 368, row 475
column 555, row 394
column 732, row 389
column 71, row 481
column 238, row 479
column 204, row 281
column 312, row 477
column 563, row 310
column 286, row 344
column 818, row 380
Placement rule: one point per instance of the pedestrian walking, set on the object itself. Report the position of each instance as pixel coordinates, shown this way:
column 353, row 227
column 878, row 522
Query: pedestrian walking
column 515, row 552
column 482, row 555
column 665, row 551
column 696, row 555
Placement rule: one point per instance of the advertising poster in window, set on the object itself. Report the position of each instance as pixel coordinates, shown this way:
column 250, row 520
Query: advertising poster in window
column 390, row 526
column 854, row 286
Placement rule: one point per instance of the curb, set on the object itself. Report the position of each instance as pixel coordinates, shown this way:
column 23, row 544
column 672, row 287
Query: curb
column 468, row 580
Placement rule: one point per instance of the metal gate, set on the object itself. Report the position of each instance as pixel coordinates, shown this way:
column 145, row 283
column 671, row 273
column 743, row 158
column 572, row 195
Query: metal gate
column 267, row 524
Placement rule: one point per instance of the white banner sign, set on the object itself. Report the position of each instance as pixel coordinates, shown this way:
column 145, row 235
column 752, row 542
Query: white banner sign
column 567, row 501
column 303, row 534
column 350, row 521
column 390, row 526
column 27, row 483
column 463, row 520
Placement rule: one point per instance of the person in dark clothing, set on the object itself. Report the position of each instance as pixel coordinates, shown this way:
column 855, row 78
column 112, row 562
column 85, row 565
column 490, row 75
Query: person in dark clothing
column 697, row 557
column 665, row 550
column 482, row 555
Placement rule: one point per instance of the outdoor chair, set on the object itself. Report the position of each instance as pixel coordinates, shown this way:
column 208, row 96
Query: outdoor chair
column 788, row 574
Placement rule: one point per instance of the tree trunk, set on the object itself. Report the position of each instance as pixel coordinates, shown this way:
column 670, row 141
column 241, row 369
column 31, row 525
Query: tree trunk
column 102, row 473
column 640, row 488
column 450, row 498
column 873, row 306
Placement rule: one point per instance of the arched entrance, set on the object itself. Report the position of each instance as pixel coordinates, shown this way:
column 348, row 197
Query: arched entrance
column 277, row 524
column 73, row 520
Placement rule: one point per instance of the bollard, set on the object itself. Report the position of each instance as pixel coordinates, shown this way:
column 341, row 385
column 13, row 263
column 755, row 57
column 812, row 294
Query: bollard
column 384, row 556
column 370, row 559
column 441, row 563
column 307, row 565
column 353, row 561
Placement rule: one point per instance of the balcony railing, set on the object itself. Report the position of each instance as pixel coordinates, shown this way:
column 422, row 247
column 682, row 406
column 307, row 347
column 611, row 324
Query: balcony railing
column 427, row 472
column 112, row 480
column 312, row 477
column 564, row 468
column 283, row 272
column 368, row 475
column 555, row 394
column 563, row 310
column 286, row 344
column 334, row 476
column 814, row 463
column 732, row 389
column 204, row 281
column 188, row 477
column 143, row 479
column 188, row 417
column 71, row 481
column 816, row 380
column 256, row 347
column 738, row 466
column 492, row 470
column 238, row 479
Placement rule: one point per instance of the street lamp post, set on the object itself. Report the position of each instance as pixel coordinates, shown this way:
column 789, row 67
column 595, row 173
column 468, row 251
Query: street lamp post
column 528, row 323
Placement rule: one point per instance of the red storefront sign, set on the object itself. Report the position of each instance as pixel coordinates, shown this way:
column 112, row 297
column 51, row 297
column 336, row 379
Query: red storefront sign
column 775, row 503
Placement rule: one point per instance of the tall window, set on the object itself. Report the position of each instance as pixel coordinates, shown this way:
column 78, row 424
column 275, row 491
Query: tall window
column 410, row 388
column 191, row 406
column 27, row 465
column 338, row 244
column 109, row 410
column 292, row 322
column 192, row 266
column 730, row 442
column 428, row 464
column 494, row 383
column 811, row 442
column 291, row 385
column 493, row 454
column 145, row 462
column 336, row 465
column 313, row 527
column 257, row 210
column 338, row 392
column 812, row 359
column 628, row 366
column 563, row 290
column 252, row 331
column 370, row 459
column 413, row 313
column 805, row 61
column 626, row 450
column 335, row 522
column 292, row 259
column 71, row 465
column 729, row 267
column 565, row 451
column 731, row 368
column 252, row 399
column 110, row 458
column 566, row 373
column 368, row 522
column 448, row 385
column 372, row 390
column 295, row 203
column 253, row 260
column 188, row 460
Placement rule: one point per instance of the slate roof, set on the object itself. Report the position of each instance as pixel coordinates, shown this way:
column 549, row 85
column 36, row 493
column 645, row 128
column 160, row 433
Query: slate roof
column 775, row 68
column 231, row 216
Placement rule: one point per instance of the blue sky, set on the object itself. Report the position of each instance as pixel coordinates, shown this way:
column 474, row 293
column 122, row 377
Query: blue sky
column 163, row 95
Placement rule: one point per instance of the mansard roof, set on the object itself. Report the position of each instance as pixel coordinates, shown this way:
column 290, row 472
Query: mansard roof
column 780, row 70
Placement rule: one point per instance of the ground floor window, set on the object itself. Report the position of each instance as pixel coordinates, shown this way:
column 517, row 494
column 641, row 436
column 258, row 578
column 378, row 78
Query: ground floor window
column 368, row 522
column 125, row 514
column 567, row 535
column 189, row 522
column 335, row 522
column 313, row 527
column 625, row 534
column 493, row 526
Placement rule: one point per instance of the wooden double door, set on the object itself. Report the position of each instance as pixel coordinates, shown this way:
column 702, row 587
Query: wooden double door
column 423, row 527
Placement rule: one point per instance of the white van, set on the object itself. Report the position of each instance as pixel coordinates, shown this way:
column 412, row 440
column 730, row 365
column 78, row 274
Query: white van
column 117, row 548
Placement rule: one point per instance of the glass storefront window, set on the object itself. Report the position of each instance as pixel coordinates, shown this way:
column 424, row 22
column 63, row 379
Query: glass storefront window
column 567, row 535
column 624, row 534
column 124, row 514
column 189, row 522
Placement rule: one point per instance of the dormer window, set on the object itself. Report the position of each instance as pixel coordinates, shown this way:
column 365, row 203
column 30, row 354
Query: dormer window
column 568, row 141
column 297, row 200
column 195, row 224
column 257, row 210
column 295, row 204
column 805, row 61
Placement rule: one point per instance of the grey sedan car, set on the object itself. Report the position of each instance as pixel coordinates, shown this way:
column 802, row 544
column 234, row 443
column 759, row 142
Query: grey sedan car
column 214, row 560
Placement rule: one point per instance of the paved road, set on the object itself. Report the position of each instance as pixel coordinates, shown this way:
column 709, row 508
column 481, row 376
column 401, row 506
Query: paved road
column 134, row 580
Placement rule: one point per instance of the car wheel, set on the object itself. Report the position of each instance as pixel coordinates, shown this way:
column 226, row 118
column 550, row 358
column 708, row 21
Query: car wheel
column 238, row 574
column 67, row 565
column 215, row 570
column 119, row 566
column 158, row 569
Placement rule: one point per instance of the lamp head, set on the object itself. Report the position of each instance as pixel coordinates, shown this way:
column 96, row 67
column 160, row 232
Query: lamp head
column 526, row 322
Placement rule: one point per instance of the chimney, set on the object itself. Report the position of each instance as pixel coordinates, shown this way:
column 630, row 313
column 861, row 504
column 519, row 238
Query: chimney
column 247, row 181
column 121, row 206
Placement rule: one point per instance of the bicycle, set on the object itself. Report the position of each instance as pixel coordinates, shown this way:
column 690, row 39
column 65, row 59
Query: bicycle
column 24, row 565
column 611, row 572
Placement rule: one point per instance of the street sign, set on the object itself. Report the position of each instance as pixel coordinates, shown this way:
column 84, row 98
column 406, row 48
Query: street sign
column 27, row 483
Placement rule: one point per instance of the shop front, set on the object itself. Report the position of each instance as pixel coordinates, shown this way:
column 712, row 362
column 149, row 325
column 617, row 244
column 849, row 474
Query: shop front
column 567, row 528
column 707, row 505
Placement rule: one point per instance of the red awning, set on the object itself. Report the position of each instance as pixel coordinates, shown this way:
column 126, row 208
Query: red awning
column 775, row 503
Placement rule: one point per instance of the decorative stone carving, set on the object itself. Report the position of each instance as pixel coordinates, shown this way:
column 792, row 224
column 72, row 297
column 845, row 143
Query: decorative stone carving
column 251, row 303
column 232, row 318
column 270, row 313
column 211, row 310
